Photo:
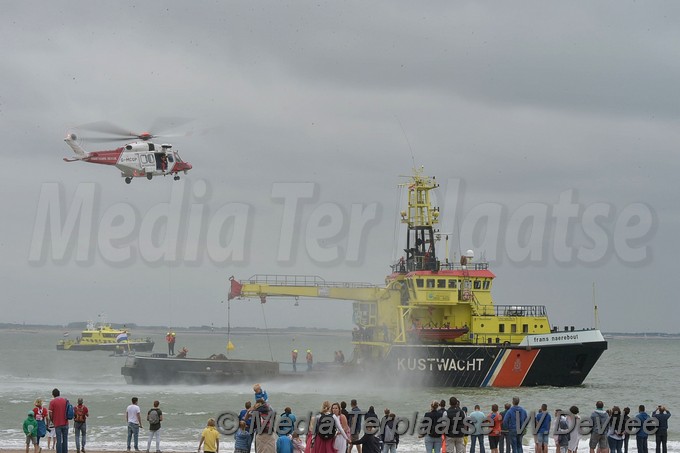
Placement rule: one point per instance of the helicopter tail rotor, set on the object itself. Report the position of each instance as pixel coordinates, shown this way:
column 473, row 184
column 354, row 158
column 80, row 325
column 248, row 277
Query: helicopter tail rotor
column 72, row 141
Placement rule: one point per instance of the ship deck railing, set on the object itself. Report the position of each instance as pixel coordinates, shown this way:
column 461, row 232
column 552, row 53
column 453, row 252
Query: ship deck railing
column 421, row 263
column 303, row 280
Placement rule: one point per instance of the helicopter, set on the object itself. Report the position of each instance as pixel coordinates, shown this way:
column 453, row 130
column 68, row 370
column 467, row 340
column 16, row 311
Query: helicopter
column 137, row 159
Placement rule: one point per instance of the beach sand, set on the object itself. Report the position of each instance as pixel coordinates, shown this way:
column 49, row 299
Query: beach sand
column 93, row 450
column 45, row 450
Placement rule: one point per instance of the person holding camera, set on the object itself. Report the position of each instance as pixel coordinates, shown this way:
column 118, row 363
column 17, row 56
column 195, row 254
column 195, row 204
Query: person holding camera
column 661, row 414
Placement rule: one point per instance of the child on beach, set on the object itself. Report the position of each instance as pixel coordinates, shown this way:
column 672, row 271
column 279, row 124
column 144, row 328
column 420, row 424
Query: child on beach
column 298, row 444
column 31, row 432
column 51, row 435
column 210, row 438
column 284, row 444
column 40, row 415
column 242, row 438
column 259, row 393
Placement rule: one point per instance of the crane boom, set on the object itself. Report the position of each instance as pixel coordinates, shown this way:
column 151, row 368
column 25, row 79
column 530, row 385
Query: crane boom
column 305, row 286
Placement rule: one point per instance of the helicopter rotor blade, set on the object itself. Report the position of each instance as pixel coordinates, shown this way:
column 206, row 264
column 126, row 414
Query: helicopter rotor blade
column 105, row 139
column 107, row 128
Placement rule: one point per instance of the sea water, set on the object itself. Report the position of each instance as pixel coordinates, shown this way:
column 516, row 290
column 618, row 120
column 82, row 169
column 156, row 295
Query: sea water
column 632, row 371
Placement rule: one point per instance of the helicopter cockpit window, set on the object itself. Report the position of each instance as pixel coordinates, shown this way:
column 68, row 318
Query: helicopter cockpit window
column 170, row 158
column 142, row 158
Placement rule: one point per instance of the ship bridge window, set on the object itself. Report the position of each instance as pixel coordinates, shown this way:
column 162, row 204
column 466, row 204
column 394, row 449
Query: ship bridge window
column 478, row 284
column 501, row 328
column 452, row 284
column 441, row 283
column 87, row 334
column 486, row 284
column 513, row 328
column 419, row 282
column 430, row 282
column 525, row 328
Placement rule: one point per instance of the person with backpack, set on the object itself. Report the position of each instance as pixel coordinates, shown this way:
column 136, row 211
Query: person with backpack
column 40, row 415
column 154, row 417
column 80, row 414
column 57, row 414
column 324, row 430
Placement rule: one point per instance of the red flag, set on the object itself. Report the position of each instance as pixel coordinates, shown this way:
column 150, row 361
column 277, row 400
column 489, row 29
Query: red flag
column 235, row 290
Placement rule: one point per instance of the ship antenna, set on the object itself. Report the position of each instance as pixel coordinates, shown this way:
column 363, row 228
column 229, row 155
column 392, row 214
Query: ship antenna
column 413, row 159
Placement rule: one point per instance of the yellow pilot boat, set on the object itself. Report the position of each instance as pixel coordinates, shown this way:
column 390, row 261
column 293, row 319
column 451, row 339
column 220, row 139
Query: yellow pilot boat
column 103, row 337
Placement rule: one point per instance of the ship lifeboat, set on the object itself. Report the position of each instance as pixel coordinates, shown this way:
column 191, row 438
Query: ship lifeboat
column 439, row 333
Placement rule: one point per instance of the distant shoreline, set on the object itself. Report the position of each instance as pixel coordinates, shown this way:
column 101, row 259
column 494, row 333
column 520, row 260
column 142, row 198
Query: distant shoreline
column 78, row 326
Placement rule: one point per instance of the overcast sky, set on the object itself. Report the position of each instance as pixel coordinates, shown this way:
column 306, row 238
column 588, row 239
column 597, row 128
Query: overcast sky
column 553, row 129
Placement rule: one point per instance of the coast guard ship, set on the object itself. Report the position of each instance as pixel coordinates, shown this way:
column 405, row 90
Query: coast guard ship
column 435, row 323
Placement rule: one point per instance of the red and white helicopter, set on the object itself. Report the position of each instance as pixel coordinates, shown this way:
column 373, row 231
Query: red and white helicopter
column 141, row 158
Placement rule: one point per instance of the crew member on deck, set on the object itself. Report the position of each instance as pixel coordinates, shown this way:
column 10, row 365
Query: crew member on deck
column 310, row 360
column 170, row 338
column 293, row 356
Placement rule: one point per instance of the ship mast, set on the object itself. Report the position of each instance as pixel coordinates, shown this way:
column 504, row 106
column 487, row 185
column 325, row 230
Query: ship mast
column 420, row 218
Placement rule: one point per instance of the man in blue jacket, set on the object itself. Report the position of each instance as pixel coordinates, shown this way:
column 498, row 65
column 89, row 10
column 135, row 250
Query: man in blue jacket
column 515, row 421
column 641, row 436
column 543, row 420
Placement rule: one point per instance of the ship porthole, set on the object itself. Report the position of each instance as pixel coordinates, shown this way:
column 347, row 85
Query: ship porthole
column 481, row 325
